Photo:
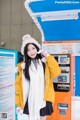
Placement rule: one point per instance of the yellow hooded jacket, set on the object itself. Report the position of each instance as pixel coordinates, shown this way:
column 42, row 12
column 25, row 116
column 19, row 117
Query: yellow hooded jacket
column 52, row 70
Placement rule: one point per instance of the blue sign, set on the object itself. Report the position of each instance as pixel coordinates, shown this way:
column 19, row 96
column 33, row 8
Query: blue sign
column 77, row 77
column 59, row 19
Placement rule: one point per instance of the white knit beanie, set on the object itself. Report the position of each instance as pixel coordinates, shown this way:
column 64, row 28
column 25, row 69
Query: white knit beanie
column 28, row 39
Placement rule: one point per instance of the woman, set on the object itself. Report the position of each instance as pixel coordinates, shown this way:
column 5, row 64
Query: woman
column 34, row 88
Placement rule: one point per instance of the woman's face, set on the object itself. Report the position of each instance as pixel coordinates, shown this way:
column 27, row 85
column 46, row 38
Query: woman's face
column 32, row 51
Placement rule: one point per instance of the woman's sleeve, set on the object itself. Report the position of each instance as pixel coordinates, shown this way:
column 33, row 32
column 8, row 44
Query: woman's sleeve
column 17, row 86
column 53, row 66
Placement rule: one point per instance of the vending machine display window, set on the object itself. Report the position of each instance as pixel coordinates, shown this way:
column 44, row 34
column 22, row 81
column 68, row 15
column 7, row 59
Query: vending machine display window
column 63, row 59
column 62, row 78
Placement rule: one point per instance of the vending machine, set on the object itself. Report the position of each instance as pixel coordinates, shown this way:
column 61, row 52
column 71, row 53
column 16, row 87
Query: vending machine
column 64, row 88
column 8, row 62
column 59, row 25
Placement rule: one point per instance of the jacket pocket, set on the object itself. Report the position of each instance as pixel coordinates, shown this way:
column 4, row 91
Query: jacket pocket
column 49, row 94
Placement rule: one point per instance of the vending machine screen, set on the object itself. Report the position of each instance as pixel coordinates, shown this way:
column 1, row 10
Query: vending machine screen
column 62, row 78
column 63, row 59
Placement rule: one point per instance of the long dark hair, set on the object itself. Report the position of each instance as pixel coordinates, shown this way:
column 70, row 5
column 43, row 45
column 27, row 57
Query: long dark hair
column 28, row 60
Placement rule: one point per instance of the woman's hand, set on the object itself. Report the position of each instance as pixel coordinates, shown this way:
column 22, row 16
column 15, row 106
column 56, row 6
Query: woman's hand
column 19, row 110
column 43, row 53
